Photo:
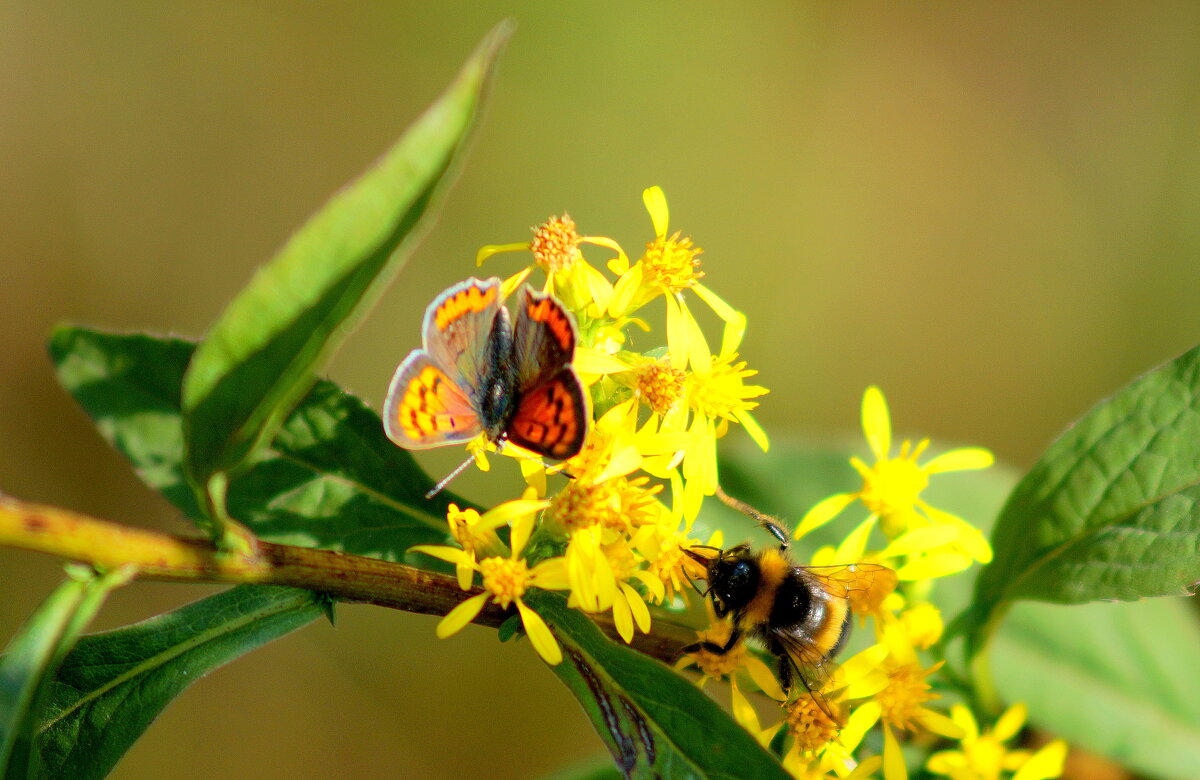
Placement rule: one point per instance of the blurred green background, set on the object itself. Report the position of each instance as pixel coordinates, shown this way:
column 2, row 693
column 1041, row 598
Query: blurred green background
column 988, row 209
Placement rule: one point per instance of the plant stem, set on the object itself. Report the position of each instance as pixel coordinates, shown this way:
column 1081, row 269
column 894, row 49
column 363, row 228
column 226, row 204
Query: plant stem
column 353, row 578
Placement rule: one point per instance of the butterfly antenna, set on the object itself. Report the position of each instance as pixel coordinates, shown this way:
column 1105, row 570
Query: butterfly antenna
column 769, row 524
column 446, row 479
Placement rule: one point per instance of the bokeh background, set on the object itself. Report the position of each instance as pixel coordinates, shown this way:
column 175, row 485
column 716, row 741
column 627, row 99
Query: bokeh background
column 990, row 209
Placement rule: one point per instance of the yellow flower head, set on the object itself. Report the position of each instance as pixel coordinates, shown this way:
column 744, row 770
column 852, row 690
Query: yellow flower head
column 930, row 542
column 984, row 756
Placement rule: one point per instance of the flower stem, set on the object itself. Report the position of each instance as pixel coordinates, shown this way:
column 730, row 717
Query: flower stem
column 353, row 578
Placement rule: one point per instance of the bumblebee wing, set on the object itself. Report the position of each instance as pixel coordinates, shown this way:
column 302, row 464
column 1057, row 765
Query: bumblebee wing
column 864, row 584
column 806, row 663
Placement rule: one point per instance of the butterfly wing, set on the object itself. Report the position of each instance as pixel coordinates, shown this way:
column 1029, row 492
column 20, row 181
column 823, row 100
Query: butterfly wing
column 552, row 413
column 465, row 328
column 551, row 418
column 425, row 407
column 543, row 339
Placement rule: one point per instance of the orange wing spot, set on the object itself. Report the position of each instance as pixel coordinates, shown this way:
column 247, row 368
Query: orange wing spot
column 422, row 412
column 555, row 318
column 550, row 422
column 471, row 299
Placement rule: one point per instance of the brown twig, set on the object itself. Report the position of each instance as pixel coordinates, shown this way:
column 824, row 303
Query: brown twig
column 354, row 578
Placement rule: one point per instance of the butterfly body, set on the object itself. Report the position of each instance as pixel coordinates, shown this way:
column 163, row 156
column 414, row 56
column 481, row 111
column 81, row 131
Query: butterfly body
column 478, row 372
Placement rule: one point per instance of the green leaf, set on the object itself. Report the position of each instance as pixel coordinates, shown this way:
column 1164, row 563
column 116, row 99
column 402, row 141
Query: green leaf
column 1108, row 512
column 261, row 356
column 330, row 478
column 113, row 684
column 32, row 657
column 655, row 723
column 1117, row 679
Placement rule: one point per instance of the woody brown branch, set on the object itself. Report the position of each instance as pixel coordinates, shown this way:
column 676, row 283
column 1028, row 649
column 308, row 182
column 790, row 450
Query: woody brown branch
column 351, row 578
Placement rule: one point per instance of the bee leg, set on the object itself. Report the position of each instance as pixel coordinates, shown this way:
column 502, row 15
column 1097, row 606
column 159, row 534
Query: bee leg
column 785, row 676
column 713, row 647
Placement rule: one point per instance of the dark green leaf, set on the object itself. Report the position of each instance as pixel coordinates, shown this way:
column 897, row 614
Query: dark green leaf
column 1117, row 679
column 1108, row 512
column 261, row 356
column 32, row 657
column 112, row 685
column 330, row 479
column 655, row 723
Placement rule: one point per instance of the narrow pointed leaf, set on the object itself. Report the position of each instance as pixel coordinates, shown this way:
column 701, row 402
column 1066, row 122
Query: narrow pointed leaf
column 263, row 353
column 655, row 723
column 114, row 684
column 1109, row 511
column 329, row 479
column 31, row 659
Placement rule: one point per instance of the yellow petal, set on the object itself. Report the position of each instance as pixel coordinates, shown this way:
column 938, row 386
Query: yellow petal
column 823, row 512
column 461, row 615
column 893, row 759
column 735, row 321
column 920, row 539
column 656, row 204
column 1044, row 764
column 677, row 334
column 607, row 243
column 493, row 249
column 964, row 459
column 551, row 574
column 625, row 290
column 448, row 554
column 1011, row 721
column 965, row 720
column 522, row 528
column 753, row 428
column 859, row 723
column 465, row 574
column 593, row 361
column 929, row 567
column 699, row 354
column 862, row 662
column 509, row 285
column 763, row 677
column 970, row 539
column 876, row 423
column 622, row 619
column 940, row 724
column 641, row 614
column 866, row 768
column 503, row 514
column 855, row 545
column 743, row 711
column 948, row 762
column 539, row 634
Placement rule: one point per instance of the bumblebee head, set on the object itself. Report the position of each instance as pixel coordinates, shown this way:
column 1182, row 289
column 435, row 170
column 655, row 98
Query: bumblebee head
column 732, row 575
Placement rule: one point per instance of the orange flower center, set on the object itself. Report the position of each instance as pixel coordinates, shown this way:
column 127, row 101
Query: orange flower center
column 906, row 691
column 810, row 724
column 505, row 579
column 659, row 385
column 671, row 262
column 555, row 244
column 713, row 664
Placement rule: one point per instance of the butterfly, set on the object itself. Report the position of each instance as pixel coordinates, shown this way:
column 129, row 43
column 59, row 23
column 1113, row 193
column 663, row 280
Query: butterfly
column 476, row 373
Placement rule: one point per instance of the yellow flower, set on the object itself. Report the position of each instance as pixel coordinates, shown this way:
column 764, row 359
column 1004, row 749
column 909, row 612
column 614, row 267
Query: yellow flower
column 938, row 542
column 555, row 248
column 505, row 581
column 984, row 757
column 476, row 533
column 668, row 267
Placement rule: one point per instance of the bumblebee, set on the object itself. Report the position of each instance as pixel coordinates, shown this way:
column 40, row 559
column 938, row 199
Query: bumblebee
column 802, row 614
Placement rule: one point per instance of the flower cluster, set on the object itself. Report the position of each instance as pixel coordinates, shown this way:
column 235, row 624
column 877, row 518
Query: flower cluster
column 888, row 683
column 613, row 534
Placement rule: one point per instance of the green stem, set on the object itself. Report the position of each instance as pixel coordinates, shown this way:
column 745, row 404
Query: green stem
column 355, row 578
